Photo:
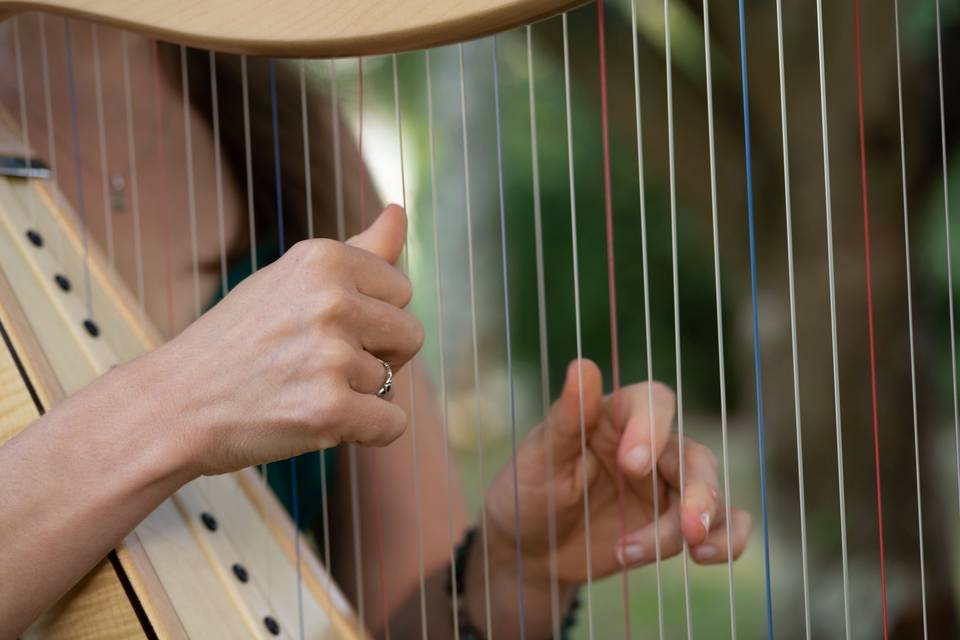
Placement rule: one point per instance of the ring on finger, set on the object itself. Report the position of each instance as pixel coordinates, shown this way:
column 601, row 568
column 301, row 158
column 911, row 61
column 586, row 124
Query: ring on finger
column 388, row 380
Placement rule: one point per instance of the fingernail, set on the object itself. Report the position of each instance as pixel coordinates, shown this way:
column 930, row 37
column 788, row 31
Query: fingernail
column 639, row 457
column 706, row 552
column 630, row 554
column 705, row 519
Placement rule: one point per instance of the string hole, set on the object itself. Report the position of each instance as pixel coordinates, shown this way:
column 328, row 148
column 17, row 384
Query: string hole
column 91, row 328
column 35, row 238
column 241, row 572
column 62, row 281
column 272, row 625
column 209, row 521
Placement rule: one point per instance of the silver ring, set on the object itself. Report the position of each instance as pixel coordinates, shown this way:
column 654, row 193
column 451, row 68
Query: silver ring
column 388, row 381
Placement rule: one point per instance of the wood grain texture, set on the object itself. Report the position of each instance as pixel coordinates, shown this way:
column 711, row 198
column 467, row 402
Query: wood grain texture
column 96, row 608
column 307, row 28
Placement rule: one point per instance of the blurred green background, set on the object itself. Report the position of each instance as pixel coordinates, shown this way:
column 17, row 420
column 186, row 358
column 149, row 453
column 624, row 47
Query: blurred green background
column 443, row 210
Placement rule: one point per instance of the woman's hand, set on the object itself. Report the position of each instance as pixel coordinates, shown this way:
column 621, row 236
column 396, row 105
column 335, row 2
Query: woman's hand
column 616, row 465
column 288, row 361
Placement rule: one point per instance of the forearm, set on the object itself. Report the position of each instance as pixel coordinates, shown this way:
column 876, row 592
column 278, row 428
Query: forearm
column 76, row 482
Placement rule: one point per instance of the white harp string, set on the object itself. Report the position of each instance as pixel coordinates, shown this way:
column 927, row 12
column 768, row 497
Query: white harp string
column 671, row 156
column 828, row 208
column 913, row 361
column 788, row 214
column 248, row 153
column 308, row 190
column 544, row 343
column 411, row 368
column 102, row 142
column 252, row 228
column 134, row 179
column 480, row 427
column 324, row 490
column 438, row 282
column 948, row 237
column 78, row 171
column 568, row 98
column 218, row 172
column 24, row 119
column 191, row 183
column 721, row 358
column 48, row 113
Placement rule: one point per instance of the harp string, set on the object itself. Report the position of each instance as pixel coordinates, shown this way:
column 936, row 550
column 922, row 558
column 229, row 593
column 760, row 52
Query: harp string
column 248, row 156
column 721, row 358
column 21, row 89
column 751, row 223
column 946, row 223
column 337, row 159
column 308, row 188
column 374, row 455
column 218, row 172
column 305, row 132
column 134, row 179
column 191, row 187
column 164, row 179
column 351, row 449
column 324, row 490
column 438, row 281
column 471, row 288
column 278, row 191
column 411, row 367
column 788, row 214
column 58, row 246
column 672, row 167
column 544, row 354
column 870, row 330
column 506, row 319
column 102, row 142
column 828, row 208
column 612, row 307
column 568, row 100
column 913, row 366
column 78, row 167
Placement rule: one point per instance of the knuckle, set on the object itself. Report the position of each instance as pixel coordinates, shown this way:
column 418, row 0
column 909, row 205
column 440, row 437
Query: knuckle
column 335, row 302
column 338, row 356
column 317, row 251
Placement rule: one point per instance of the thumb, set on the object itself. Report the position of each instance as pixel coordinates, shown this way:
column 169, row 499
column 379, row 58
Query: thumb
column 583, row 380
column 386, row 236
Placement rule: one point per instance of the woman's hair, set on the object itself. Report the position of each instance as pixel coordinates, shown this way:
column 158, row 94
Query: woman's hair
column 290, row 141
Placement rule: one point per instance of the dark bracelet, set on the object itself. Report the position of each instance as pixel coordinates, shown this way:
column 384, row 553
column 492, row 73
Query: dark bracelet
column 469, row 631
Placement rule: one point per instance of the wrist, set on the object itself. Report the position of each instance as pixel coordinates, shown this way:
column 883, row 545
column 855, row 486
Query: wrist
column 496, row 581
column 152, row 410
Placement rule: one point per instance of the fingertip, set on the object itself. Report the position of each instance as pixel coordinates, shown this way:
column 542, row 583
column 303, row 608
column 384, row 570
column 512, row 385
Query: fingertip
column 635, row 459
column 695, row 523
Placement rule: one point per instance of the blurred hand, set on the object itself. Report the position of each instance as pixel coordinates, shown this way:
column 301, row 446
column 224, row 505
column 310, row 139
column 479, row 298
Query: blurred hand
column 287, row 362
column 619, row 439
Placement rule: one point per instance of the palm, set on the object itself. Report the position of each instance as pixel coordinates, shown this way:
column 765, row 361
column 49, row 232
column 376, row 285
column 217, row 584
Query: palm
column 617, row 506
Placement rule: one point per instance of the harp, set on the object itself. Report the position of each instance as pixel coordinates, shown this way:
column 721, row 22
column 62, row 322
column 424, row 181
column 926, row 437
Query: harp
column 768, row 205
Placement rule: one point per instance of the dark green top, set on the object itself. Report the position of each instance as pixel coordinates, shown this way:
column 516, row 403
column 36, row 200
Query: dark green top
column 308, row 468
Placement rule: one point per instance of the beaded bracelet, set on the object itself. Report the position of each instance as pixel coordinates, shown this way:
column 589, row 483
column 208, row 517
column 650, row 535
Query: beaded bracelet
column 469, row 631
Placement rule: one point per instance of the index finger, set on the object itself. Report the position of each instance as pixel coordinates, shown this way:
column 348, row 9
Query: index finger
column 645, row 412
